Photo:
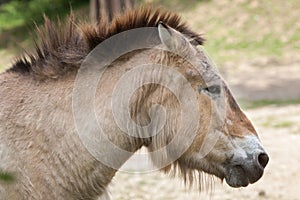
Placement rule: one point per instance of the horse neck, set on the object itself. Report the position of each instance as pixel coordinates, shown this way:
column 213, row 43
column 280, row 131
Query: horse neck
column 142, row 97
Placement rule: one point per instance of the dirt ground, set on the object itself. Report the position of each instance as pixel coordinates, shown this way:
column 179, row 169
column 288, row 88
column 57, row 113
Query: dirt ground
column 279, row 130
column 264, row 79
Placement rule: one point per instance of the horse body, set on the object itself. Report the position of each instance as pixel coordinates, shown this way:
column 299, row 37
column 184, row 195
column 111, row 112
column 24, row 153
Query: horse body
column 39, row 140
column 45, row 154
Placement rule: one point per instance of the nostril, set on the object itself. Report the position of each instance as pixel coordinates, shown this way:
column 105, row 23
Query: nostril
column 263, row 159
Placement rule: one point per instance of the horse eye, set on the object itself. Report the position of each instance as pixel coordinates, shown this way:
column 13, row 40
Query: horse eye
column 214, row 89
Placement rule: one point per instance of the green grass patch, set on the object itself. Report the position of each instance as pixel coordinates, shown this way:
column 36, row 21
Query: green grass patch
column 20, row 13
column 6, row 177
column 247, row 30
column 283, row 124
column 274, row 122
column 17, row 19
column 175, row 5
column 246, row 104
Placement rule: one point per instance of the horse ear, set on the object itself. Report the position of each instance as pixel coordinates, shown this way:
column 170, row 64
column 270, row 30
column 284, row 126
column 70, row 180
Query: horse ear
column 171, row 38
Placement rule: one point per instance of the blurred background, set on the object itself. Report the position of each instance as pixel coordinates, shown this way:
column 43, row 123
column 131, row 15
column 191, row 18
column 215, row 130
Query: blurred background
column 255, row 45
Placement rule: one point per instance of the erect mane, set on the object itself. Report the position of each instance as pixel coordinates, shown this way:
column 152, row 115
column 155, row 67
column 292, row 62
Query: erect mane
column 63, row 47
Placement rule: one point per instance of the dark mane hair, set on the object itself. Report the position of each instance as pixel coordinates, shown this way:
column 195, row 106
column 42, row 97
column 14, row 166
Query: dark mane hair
column 64, row 47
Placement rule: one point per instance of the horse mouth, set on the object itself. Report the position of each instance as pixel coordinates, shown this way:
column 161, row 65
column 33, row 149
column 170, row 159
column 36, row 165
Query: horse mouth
column 236, row 177
column 241, row 176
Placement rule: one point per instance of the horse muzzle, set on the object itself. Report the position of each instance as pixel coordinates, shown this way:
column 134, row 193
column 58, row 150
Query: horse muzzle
column 240, row 172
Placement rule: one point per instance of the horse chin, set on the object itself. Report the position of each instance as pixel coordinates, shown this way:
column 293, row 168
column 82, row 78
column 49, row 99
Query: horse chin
column 236, row 177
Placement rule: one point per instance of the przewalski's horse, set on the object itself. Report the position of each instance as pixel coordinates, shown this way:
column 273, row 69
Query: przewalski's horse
column 40, row 141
